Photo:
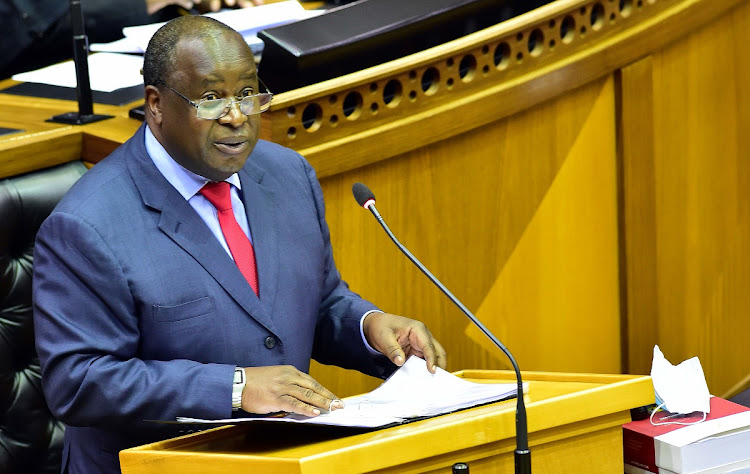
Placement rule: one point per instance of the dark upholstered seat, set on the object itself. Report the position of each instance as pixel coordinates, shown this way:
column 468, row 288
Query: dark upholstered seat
column 30, row 438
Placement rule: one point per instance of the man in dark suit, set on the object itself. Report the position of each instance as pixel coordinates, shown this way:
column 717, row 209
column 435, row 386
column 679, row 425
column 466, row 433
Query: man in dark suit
column 140, row 311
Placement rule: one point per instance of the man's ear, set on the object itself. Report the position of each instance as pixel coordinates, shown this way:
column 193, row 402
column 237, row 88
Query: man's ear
column 153, row 105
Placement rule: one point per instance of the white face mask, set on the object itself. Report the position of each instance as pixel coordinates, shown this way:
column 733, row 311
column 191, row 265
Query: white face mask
column 682, row 388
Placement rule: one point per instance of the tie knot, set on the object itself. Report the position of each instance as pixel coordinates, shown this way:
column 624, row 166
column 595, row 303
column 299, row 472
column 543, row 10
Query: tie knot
column 218, row 195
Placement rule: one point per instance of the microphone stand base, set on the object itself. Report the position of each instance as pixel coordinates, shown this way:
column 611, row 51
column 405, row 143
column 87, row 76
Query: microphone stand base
column 76, row 118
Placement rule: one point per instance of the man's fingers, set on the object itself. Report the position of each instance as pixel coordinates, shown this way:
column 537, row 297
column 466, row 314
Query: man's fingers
column 307, row 402
column 312, row 387
column 318, row 399
column 435, row 356
column 295, row 405
column 308, row 396
column 421, row 343
column 284, row 388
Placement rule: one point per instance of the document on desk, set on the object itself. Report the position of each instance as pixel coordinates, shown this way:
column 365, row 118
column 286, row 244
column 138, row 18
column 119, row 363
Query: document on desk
column 247, row 21
column 412, row 392
column 107, row 72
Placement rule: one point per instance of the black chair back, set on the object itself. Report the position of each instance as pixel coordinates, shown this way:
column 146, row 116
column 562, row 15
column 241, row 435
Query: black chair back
column 30, row 437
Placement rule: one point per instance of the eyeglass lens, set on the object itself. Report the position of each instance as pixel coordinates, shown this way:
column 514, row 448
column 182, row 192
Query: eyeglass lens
column 214, row 109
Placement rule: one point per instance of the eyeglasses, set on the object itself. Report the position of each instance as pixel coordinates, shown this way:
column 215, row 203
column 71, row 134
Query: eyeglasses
column 215, row 109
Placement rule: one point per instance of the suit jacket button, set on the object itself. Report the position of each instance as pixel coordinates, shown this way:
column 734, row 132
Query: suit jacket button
column 270, row 342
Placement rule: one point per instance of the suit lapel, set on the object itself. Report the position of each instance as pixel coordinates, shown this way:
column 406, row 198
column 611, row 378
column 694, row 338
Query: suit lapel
column 261, row 211
column 179, row 221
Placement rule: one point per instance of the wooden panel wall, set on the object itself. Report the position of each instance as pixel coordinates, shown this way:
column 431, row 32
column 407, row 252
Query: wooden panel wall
column 517, row 219
column 686, row 116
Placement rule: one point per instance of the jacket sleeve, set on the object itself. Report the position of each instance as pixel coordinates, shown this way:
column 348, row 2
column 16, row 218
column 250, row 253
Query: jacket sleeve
column 338, row 340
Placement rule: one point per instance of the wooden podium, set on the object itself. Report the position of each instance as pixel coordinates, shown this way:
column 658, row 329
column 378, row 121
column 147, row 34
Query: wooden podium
column 574, row 426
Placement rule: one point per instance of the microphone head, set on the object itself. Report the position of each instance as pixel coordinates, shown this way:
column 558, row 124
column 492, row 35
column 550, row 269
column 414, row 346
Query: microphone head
column 363, row 195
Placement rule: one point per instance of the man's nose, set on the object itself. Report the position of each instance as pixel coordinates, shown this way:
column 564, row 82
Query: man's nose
column 234, row 116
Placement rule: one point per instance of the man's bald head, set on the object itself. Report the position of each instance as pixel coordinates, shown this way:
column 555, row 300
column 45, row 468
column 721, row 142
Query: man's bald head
column 159, row 59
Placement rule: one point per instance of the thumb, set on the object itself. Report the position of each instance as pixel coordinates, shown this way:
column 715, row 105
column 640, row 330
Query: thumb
column 395, row 353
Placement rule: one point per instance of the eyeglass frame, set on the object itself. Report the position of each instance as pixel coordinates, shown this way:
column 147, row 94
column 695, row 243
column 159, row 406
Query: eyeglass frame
column 227, row 109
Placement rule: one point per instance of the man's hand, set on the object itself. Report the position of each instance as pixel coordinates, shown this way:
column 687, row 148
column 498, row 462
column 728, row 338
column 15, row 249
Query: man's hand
column 284, row 388
column 398, row 337
column 153, row 6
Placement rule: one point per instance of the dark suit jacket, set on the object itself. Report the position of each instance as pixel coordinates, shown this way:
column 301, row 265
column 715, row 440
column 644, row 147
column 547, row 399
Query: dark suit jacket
column 37, row 33
column 140, row 314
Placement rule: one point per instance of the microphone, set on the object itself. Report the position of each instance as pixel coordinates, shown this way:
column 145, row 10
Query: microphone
column 85, row 112
column 522, row 455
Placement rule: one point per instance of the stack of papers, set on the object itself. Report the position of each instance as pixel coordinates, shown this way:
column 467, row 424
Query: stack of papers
column 411, row 392
column 247, row 21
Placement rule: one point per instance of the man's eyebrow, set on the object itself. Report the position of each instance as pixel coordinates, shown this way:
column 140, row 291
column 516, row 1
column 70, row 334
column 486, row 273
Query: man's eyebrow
column 211, row 80
column 250, row 76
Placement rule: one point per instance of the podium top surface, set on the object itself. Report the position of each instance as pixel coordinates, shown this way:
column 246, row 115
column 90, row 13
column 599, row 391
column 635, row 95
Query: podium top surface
column 558, row 406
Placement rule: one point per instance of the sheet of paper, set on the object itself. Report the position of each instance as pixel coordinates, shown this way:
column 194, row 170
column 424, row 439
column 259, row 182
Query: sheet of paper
column 107, row 72
column 132, row 44
column 411, row 392
column 123, row 45
column 248, row 21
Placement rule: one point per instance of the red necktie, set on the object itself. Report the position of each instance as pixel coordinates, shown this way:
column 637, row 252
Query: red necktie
column 242, row 251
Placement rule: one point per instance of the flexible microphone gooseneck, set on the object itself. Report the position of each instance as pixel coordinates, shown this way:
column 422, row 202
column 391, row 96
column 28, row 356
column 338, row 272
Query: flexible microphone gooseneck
column 522, row 455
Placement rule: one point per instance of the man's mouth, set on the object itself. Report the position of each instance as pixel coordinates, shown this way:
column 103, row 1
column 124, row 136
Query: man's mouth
column 232, row 146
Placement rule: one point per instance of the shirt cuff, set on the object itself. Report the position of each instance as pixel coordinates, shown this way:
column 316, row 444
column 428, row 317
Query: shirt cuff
column 362, row 331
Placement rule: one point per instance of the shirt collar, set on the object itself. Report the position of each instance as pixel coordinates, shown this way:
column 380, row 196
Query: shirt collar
column 184, row 181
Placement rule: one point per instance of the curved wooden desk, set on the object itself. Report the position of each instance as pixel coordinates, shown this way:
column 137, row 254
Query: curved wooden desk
column 577, row 176
column 575, row 425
